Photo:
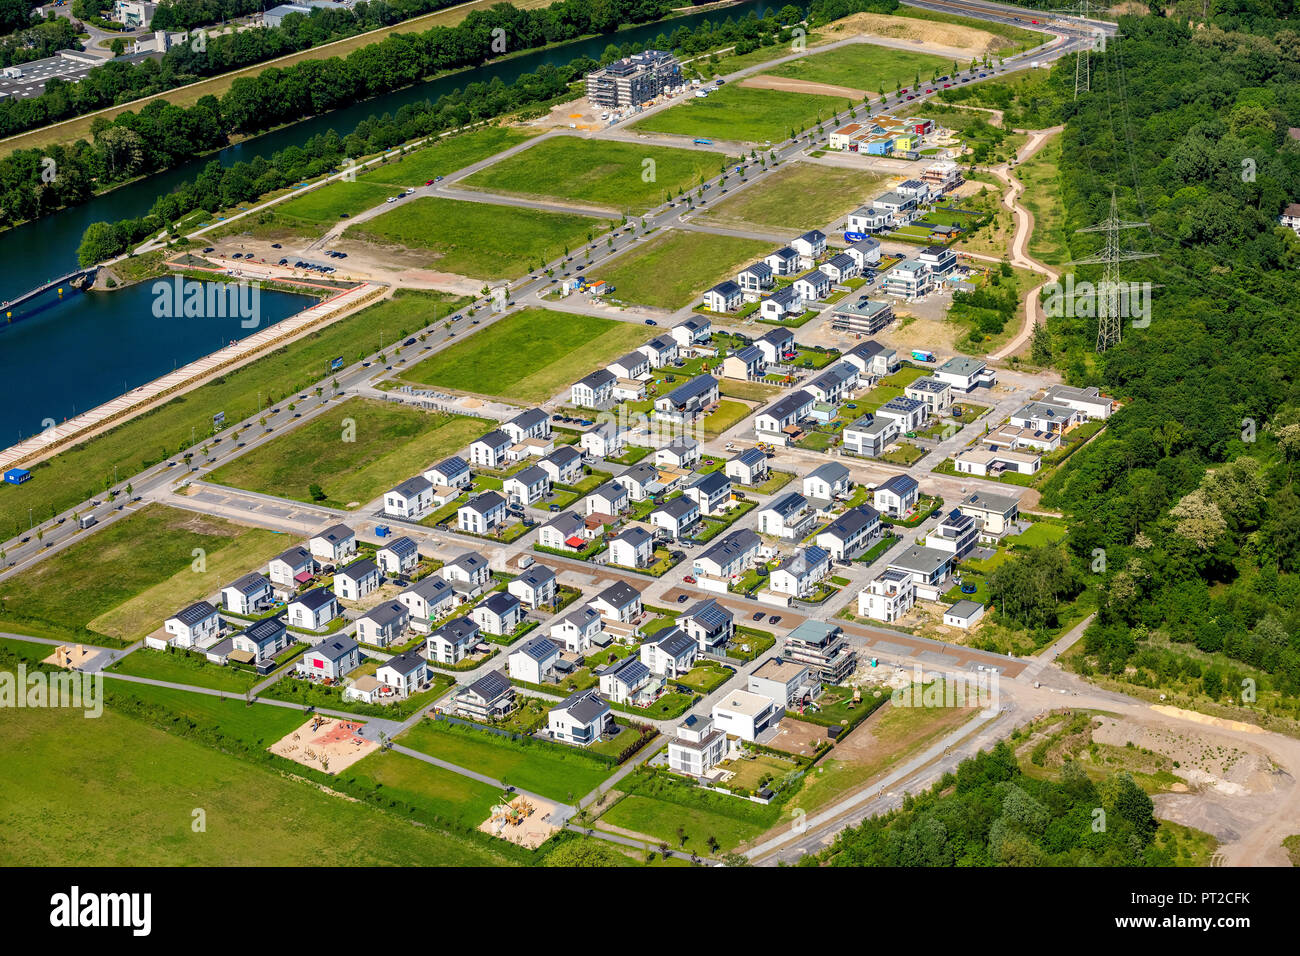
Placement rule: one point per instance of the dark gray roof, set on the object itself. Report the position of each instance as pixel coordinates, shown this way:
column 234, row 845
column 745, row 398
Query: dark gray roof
column 537, row 575
column 598, row 378
column 737, row 542
column 674, row 643
column 296, row 556
column 490, row 686
column 750, row 354
column 432, row 588
column 777, row 336
column 899, row 485
column 677, row 508
column 629, row 670
column 334, row 648
column 386, row 613
column 586, row 706
column 790, row 404
column 413, row 486
column 401, row 547
column 726, row 289
column 495, row 438
column 709, row 614
column 852, row 522
column 539, row 648
column 267, row 629
column 831, row 472
column 619, row 594
column 315, row 599
column 500, row 602
column 451, row 466
column 335, row 533
column 696, row 387
column 250, row 583
column 750, row 457
column 789, row 503
column 528, row 419
column 471, row 561
column 459, row 630
column 195, row 613
column 632, row 535
column 405, row 663
column 713, row 482
column 359, row 569
column 487, row 501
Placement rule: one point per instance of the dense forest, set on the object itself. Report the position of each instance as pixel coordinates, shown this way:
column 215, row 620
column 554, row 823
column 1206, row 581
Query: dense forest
column 991, row 814
column 1186, row 504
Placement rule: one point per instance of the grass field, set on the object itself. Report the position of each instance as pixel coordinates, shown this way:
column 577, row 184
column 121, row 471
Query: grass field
column 1042, row 197
column 390, row 443
column 259, row 725
column 540, row 769
column 442, row 793
column 530, row 355
column 1015, row 38
column 132, row 797
column 674, row 268
column 660, row 807
column 742, row 113
column 726, row 415
column 179, row 668
column 446, row 156
column 798, row 196
column 619, row 176
column 864, row 66
column 79, row 473
column 476, row 239
column 326, row 204
column 145, row 561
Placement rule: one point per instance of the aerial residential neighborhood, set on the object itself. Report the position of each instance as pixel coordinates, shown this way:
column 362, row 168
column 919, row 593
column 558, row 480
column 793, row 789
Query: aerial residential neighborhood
column 633, row 436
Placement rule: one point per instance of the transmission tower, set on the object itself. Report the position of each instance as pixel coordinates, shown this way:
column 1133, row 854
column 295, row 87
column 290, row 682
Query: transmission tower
column 1109, row 319
column 1082, row 64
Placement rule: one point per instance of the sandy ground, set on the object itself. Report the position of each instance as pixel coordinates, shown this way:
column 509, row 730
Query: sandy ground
column 797, row 737
column 575, row 114
column 530, row 828
column 944, row 39
column 70, row 657
column 329, row 740
column 765, row 82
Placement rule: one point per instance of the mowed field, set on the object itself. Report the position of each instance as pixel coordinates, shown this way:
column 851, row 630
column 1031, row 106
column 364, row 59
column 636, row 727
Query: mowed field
column 530, row 355
column 673, row 268
column 618, row 176
column 117, row 792
column 476, row 239
column 864, row 66
column 389, row 443
column 798, row 196
column 445, row 157
column 124, row 580
column 326, row 204
column 737, row 112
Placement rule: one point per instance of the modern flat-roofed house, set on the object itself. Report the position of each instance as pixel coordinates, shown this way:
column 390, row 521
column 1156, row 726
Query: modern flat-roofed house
column 827, row 480
column 869, row 219
column 748, row 467
column 535, row 587
column 899, row 205
column 356, row 580
column 451, row 472
column 872, row 360
column 670, row 653
column 909, row 280
column 676, row 516
column 783, row 262
column 563, row 466
column 940, row 260
column 964, row 374
column 957, row 534
column 581, row 719
column 452, row 642
column 595, row 390
column 754, row 280
column 929, row 568
column 661, row 351
column 500, row 613
column 631, row 548
column 247, row 594
column 933, row 393
column 811, row 246
column 774, row 422
column 578, row 630
column 490, row 450
column 849, row 534
column 709, row 625
column 823, row 647
column 406, row 673
column 632, row 365
column 984, row 462
column 693, row 331
column 799, row 574
column 605, row 440
column 786, row 683
column 681, row 452
column 533, row 661
column 333, row 544
column 869, row 436
column 745, row 364
column 1046, row 417
column 697, row 748
column 412, row 499
column 194, row 626
column 610, row 498
column 910, row 413
column 565, row 532
column 291, row 568
column 994, row 514
column 724, row 297
column 841, row 267
column 527, row 486
column 730, row 556
column 619, row 602
column 489, row 698
column 746, row 715
column 481, row 513
column 812, row 285
column 888, row 596
column 964, row 614
column 710, row 492
column 629, row 682
column 383, row 624
column 331, row 658
column 861, row 316
column 897, row 496
column 530, row 423
column 686, row 401
column 784, row 303
column 428, row 600
column 787, row 516
column 1089, row 401
column 399, row 556
column 313, row 610
column 263, row 639
column 775, row 345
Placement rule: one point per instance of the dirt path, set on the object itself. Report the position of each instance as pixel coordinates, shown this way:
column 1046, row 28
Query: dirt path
column 787, row 84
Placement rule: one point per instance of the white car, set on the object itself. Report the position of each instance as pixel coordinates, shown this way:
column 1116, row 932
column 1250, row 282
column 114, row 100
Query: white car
column 392, row 199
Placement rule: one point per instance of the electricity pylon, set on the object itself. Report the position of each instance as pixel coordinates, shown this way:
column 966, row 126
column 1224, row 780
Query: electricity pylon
column 1108, row 290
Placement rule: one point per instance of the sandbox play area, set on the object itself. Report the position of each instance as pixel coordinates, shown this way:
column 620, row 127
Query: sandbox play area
column 325, row 743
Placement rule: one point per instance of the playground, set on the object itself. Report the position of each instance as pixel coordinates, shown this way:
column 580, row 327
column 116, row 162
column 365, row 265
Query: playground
column 324, row 743
column 522, row 820
column 68, row 657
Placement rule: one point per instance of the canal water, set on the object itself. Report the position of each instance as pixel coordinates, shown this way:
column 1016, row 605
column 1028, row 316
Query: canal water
column 68, row 354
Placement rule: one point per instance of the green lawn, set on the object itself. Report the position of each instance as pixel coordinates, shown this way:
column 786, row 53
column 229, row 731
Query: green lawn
column 798, row 196
column 1049, row 242
column 737, row 112
column 80, row 472
column 446, row 156
column 658, row 807
column 389, row 443
column 865, row 67
column 529, row 356
column 675, row 268
column 442, row 793
column 327, row 204
column 621, row 176
column 151, row 552
column 726, row 415
column 178, row 667
column 116, row 792
column 542, row 769
column 476, row 239
column 258, row 726
column 1039, row 533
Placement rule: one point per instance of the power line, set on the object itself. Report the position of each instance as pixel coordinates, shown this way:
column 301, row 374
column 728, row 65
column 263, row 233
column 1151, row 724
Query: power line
column 1108, row 294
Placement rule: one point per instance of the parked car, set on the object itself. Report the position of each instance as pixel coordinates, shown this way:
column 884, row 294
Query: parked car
column 682, row 598
column 774, row 619
column 758, row 615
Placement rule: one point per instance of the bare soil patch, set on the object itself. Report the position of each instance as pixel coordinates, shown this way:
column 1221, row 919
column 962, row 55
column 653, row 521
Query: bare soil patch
column 788, row 85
